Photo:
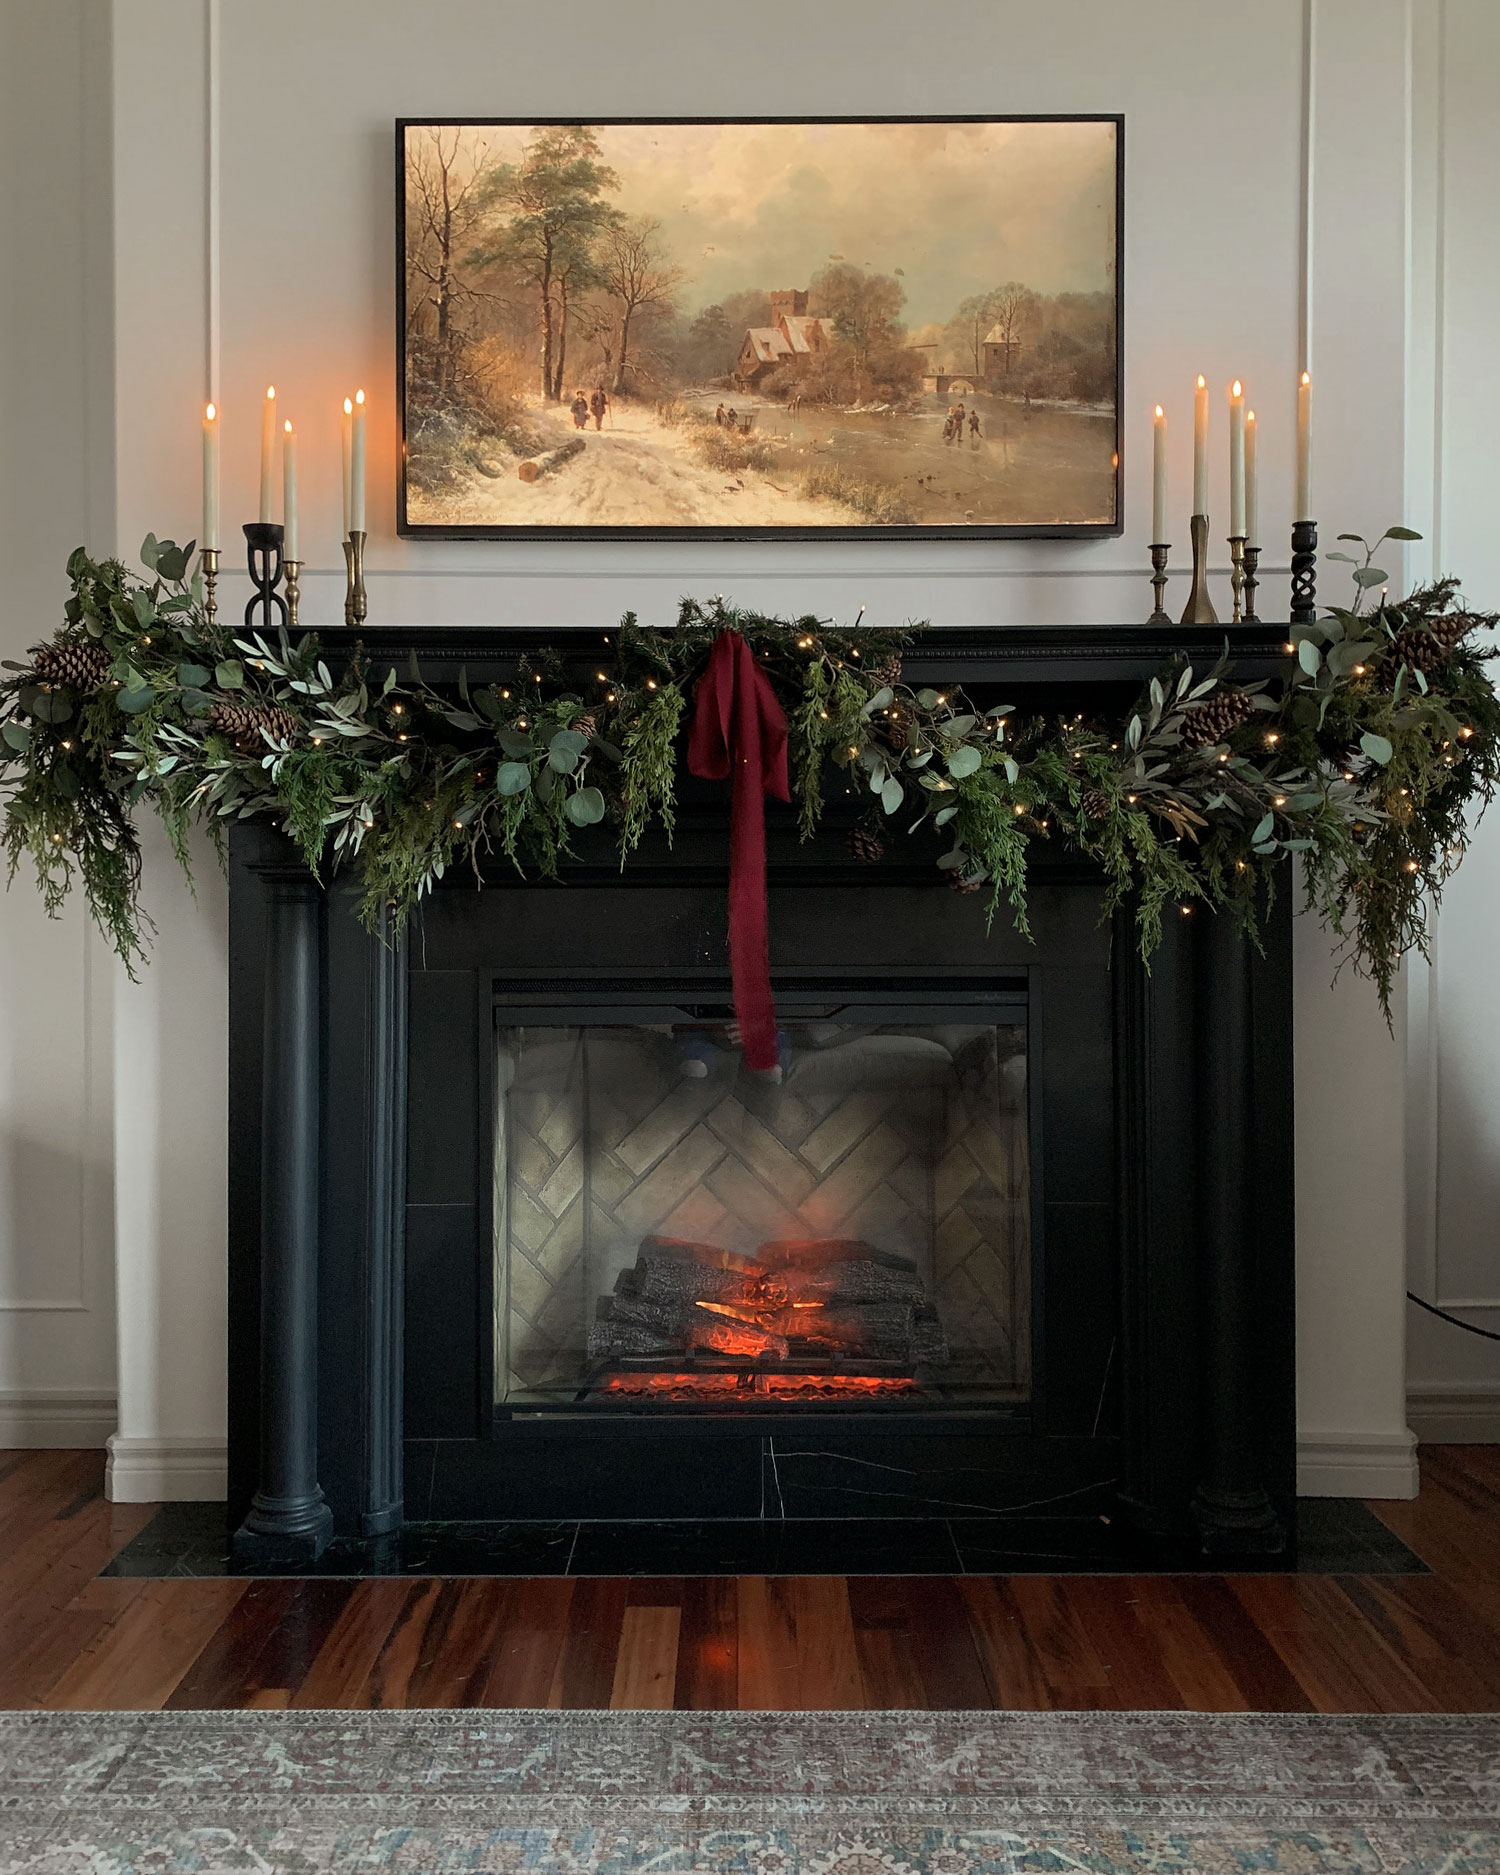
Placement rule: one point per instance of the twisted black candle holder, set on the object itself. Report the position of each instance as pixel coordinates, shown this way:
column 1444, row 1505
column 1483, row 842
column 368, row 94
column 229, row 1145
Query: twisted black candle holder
column 1304, row 572
column 263, row 552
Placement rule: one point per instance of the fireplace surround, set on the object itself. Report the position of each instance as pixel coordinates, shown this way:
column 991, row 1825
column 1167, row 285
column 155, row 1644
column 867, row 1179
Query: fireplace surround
column 513, row 1234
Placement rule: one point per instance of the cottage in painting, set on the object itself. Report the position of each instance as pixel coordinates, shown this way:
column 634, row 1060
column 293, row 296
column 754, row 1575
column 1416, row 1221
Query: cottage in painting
column 791, row 335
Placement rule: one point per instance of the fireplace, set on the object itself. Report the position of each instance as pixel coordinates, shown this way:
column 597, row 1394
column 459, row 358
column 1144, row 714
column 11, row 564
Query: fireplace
column 515, row 1234
column 850, row 1230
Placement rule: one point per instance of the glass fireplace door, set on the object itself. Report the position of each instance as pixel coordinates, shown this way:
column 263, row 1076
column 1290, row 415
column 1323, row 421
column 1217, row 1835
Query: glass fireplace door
column 851, row 1230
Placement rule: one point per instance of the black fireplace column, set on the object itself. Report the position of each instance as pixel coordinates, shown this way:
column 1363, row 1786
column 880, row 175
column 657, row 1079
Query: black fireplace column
column 288, row 1518
column 1233, row 1509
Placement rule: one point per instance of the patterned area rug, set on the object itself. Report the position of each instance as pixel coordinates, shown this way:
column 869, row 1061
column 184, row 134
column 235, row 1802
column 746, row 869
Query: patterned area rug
column 903, row 1793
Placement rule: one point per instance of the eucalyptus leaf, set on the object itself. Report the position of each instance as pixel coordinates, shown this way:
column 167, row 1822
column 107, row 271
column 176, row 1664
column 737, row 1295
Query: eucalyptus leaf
column 1400, row 533
column 879, row 701
column 133, row 702
column 927, row 698
column 1012, row 771
column 892, row 795
column 196, row 701
column 607, row 750
column 145, row 608
column 65, row 781
column 192, row 676
column 571, row 739
column 516, row 742
column 563, row 760
column 1263, row 829
column 963, row 762
column 18, row 736
column 1309, row 657
column 584, row 807
column 943, row 816
column 1133, row 733
column 52, row 706
column 1370, row 576
column 149, row 550
column 512, row 778
column 1376, row 747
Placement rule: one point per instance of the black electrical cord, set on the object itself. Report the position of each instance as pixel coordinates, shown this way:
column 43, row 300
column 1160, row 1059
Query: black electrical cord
column 1443, row 1316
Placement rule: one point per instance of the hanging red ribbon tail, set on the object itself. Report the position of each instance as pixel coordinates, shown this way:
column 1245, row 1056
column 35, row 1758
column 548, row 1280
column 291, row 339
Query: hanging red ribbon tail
column 739, row 729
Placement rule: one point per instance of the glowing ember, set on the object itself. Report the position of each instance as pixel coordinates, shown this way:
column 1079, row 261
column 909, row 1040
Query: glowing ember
column 688, row 1388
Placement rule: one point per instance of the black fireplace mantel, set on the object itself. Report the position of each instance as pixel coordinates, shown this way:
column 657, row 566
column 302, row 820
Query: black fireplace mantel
column 327, row 1127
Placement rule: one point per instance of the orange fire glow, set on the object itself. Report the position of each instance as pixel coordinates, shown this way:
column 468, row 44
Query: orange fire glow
column 691, row 1387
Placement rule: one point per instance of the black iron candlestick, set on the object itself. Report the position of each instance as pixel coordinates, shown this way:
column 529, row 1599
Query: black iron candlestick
column 1304, row 572
column 1252, row 561
column 263, row 551
column 1200, row 608
column 1159, row 551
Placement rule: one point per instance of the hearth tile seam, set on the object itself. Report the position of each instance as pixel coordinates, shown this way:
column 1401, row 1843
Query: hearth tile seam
column 776, row 1480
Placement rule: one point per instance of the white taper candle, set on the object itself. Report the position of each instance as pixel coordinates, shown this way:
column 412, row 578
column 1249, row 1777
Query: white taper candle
column 208, row 534
column 1236, row 459
column 1252, row 491
column 289, row 492
column 1159, row 479
column 348, row 439
column 357, row 467
column 1303, row 510
column 1200, row 446
column 267, row 451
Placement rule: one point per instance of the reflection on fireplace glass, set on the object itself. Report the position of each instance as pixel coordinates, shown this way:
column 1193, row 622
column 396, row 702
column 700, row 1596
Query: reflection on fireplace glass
column 851, row 1230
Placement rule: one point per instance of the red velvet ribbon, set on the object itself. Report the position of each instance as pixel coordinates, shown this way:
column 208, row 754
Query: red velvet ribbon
column 739, row 729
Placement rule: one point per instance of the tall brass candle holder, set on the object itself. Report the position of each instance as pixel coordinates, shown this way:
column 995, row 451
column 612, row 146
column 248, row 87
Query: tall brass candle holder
column 263, row 552
column 293, row 592
column 208, row 566
column 1159, row 551
column 1252, row 561
column 1200, row 608
column 1237, row 575
column 355, row 603
column 1304, row 572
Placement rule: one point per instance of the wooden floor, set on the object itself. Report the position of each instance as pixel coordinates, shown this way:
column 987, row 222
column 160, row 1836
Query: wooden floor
column 1214, row 1643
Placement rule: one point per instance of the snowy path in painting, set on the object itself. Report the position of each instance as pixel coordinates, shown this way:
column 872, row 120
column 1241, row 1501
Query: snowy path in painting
column 635, row 472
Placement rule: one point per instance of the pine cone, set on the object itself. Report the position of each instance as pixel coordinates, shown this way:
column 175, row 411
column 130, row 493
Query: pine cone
column 1095, row 804
column 865, row 845
column 77, row 663
column 586, row 726
column 1428, row 648
column 1206, row 724
column 242, row 723
column 895, row 732
column 966, row 882
column 888, row 670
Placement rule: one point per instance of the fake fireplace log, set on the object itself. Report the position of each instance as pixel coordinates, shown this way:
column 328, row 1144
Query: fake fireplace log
column 829, row 1305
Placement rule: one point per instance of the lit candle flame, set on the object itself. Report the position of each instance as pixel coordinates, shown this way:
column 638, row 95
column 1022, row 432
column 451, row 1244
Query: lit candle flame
column 348, row 408
column 270, row 393
column 287, row 426
column 210, row 413
column 1306, row 379
column 1235, row 389
column 1202, row 381
column 359, row 397
column 1159, row 410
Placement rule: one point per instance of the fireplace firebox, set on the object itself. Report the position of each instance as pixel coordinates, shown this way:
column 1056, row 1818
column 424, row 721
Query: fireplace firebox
column 516, row 1234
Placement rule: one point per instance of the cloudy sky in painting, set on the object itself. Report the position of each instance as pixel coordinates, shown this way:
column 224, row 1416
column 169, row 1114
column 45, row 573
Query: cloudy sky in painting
column 956, row 208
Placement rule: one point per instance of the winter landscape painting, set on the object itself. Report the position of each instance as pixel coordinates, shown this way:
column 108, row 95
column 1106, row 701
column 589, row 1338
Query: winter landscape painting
column 825, row 328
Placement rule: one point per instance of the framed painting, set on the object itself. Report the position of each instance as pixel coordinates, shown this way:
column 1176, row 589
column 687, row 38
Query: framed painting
column 815, row 328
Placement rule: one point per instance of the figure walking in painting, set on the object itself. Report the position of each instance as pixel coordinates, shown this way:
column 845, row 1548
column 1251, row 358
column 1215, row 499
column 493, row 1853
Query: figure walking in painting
column 719, row 416
column 580, row 408
column 973, row 429
column 599, row 404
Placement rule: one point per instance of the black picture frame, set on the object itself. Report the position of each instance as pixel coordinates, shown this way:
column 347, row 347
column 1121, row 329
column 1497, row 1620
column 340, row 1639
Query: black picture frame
column 1083, row 530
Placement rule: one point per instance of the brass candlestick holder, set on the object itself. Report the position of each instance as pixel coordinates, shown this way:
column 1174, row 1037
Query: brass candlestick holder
column 355, row 603
column 208, row 566
column 1304, row 572
column 1200, row 608
column 1252, row 561
column 293, row 592
column 1237, row 575
column 1159, row 552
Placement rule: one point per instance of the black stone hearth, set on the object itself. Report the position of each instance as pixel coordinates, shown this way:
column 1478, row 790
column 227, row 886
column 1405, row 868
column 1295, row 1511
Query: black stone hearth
column 1150, row 1410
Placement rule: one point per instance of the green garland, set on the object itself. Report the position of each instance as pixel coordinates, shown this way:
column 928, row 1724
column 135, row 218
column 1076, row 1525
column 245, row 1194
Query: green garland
column 1365, row 761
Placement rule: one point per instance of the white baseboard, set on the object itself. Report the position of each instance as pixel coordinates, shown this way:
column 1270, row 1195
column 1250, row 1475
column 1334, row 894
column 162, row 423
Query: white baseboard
column 165, row 1471
column 55, row 1419
column 1454, row 1412
column 1357, row 1464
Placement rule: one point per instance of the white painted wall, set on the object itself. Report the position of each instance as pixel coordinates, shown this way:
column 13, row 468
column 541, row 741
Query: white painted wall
column 1249, row 237
column 1454, row 1250
column 57, row 1365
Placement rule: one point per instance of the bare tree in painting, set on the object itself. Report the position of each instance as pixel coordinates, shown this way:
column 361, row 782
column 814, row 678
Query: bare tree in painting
column 442, row 182
column 638, row 275
column 1015, row 308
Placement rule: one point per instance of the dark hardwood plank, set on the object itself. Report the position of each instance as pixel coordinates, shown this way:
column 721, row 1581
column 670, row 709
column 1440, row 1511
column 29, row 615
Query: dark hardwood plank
column 532, row 1643
column 708, row 1646
column 462, row 1643
column 400, row 1653
column 584, row 1677
column 224, row 1674
column 947, row 1656
column 1012, row 1664
column 796, row 1645
column 646, row 1662
column 156, row 1632
column 1263, row 1678
column 1107, row 1609
column 354, row 1645
column 1072, row 1671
